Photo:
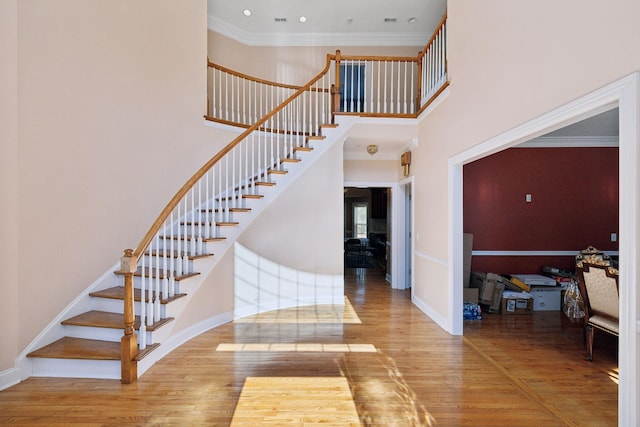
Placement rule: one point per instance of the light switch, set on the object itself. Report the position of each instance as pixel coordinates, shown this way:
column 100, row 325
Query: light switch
column 614, row 237
column 527, row 198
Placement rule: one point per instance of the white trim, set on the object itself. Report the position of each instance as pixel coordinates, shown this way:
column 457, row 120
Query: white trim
column 571, row 142
column 534, row 253
column 315, row 39
column 430, row 258
column 436, row 102
column 624, row 94
column 432, row 314
column 9, row 377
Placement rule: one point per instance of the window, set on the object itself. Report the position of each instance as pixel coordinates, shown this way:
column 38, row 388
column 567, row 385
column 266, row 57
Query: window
column 352, row 87
column 360, row 215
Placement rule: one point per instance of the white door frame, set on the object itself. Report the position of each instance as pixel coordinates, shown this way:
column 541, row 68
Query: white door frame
column 397, row 225
column 625, row 94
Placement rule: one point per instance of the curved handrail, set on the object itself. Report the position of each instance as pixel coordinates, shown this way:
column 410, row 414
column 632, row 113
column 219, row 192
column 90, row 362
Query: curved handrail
column 251, row 78
column 423, row 52
column 182, row 192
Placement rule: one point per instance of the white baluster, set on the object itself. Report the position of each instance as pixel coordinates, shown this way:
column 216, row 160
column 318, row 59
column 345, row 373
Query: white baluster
column 147, row 298
column 165, row 271
column 185, row 251
column 199, row 249
column 142, row 332
column 157, row 286
column 172, row 259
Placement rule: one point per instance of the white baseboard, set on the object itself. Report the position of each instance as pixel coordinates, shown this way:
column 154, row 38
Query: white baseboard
column 9, row 378
column 433, row 315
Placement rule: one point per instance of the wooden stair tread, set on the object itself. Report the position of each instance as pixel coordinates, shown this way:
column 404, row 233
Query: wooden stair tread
column 290, row 160
column 204, row 239
column 79, row 348
column 265, row 183
column 176, row 254
column 105, row 319
column 277, row 172
column 306, row 149
column 329, row 125
column 117, row 292
column 316, row 138
column 226, row 223
column 225, row 209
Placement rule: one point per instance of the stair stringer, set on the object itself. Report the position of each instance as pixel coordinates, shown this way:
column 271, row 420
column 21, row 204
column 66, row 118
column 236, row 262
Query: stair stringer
column 84, row 302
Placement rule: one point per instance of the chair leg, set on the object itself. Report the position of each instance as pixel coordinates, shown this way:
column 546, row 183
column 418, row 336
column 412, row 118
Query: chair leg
column 589, row 332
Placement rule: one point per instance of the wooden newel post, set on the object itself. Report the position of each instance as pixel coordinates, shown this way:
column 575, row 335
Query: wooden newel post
column 129, row 341
column 419, row 83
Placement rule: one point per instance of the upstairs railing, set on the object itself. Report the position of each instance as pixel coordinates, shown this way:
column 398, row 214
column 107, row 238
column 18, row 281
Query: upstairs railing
column 378, row 86
column 279, row 119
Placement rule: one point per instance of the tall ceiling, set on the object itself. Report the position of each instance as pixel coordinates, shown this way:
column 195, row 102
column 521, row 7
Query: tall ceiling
column 328, row 22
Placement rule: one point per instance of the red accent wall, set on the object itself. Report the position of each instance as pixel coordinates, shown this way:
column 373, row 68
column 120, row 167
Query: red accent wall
column 574, row 204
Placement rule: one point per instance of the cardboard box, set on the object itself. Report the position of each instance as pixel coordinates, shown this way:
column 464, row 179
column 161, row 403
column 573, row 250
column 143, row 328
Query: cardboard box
column 470, row 295
column 490, row 293
column 516, row 306
column 546, row 298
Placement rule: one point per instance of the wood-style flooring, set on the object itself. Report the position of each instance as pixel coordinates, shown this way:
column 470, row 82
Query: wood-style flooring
column 382, row 363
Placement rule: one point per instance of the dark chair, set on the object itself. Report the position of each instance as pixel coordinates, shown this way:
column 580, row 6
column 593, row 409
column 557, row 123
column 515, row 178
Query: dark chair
column 354, row 250
column 599, row 288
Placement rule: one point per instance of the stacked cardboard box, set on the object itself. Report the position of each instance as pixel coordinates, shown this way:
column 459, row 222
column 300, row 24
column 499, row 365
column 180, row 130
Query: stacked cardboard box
column 490, row 288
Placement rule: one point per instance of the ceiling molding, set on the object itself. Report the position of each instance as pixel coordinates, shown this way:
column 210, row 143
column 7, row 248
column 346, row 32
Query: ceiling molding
column 571, row 142
column 315, row 39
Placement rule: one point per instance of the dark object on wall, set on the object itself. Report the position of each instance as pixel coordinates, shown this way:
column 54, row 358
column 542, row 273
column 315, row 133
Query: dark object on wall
column 378, row 203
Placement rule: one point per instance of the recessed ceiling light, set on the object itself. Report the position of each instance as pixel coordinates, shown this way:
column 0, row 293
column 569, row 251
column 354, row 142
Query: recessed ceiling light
column 413, row 20
column 246, row 12
column 302, row 19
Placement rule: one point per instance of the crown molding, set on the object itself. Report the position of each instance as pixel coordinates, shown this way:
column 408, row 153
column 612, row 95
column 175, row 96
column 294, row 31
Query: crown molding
column 315, row 39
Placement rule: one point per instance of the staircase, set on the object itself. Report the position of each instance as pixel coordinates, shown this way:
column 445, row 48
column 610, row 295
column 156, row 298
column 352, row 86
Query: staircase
column 87, row 344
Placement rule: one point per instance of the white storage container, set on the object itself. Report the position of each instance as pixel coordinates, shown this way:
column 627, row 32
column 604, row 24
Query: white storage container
column 546, row 298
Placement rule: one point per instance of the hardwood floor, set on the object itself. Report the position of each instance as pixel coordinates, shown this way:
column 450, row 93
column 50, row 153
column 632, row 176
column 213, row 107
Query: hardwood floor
column 304, row 366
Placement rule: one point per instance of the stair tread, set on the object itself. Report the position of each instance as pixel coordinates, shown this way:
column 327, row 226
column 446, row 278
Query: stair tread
column 307, row 149
column 290, row 160
column 226, row 223
column 277, row 171
column 117, row 292
column 175, row 254
column 79, row 348
column 225, row 209
column 106, row 319
column 265, row 183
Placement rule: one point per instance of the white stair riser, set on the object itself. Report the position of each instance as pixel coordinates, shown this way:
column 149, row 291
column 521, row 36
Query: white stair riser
column 117, row 306
column 75, row 368
column 102, row 334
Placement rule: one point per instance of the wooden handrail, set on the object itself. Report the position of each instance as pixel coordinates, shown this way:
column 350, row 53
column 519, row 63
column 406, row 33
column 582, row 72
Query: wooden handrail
column 251, row 78
column 155, row 227
column 433, row 36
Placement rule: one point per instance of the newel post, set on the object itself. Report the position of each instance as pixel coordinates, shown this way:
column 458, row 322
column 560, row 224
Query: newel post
column 419, row 87
column 129, row 341
column 335, row 88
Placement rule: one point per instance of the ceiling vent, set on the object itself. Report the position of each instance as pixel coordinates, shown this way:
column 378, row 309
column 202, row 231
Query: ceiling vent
column 389, row 20
column 280, row 19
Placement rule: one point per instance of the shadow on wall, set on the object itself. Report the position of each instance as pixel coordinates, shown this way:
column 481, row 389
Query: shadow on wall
column 262, row 285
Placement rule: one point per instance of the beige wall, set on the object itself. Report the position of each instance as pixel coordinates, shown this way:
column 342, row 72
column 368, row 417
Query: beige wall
column 509, row 62
column 8, row 181
column 372, row 171
column 111, row 95
column 293, row 65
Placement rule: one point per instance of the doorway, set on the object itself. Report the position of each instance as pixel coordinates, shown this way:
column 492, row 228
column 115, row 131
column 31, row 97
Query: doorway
column 624, row 95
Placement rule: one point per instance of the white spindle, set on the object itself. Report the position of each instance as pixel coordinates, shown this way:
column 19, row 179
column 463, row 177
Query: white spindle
column 142, row 331
column 156, row 286
column 172, row 279
column 185, row 235
column 146, row 299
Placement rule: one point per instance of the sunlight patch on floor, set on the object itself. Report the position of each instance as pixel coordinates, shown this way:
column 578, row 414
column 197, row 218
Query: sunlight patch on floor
column 295, row 401
column 324, row 313
column 298, row 347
